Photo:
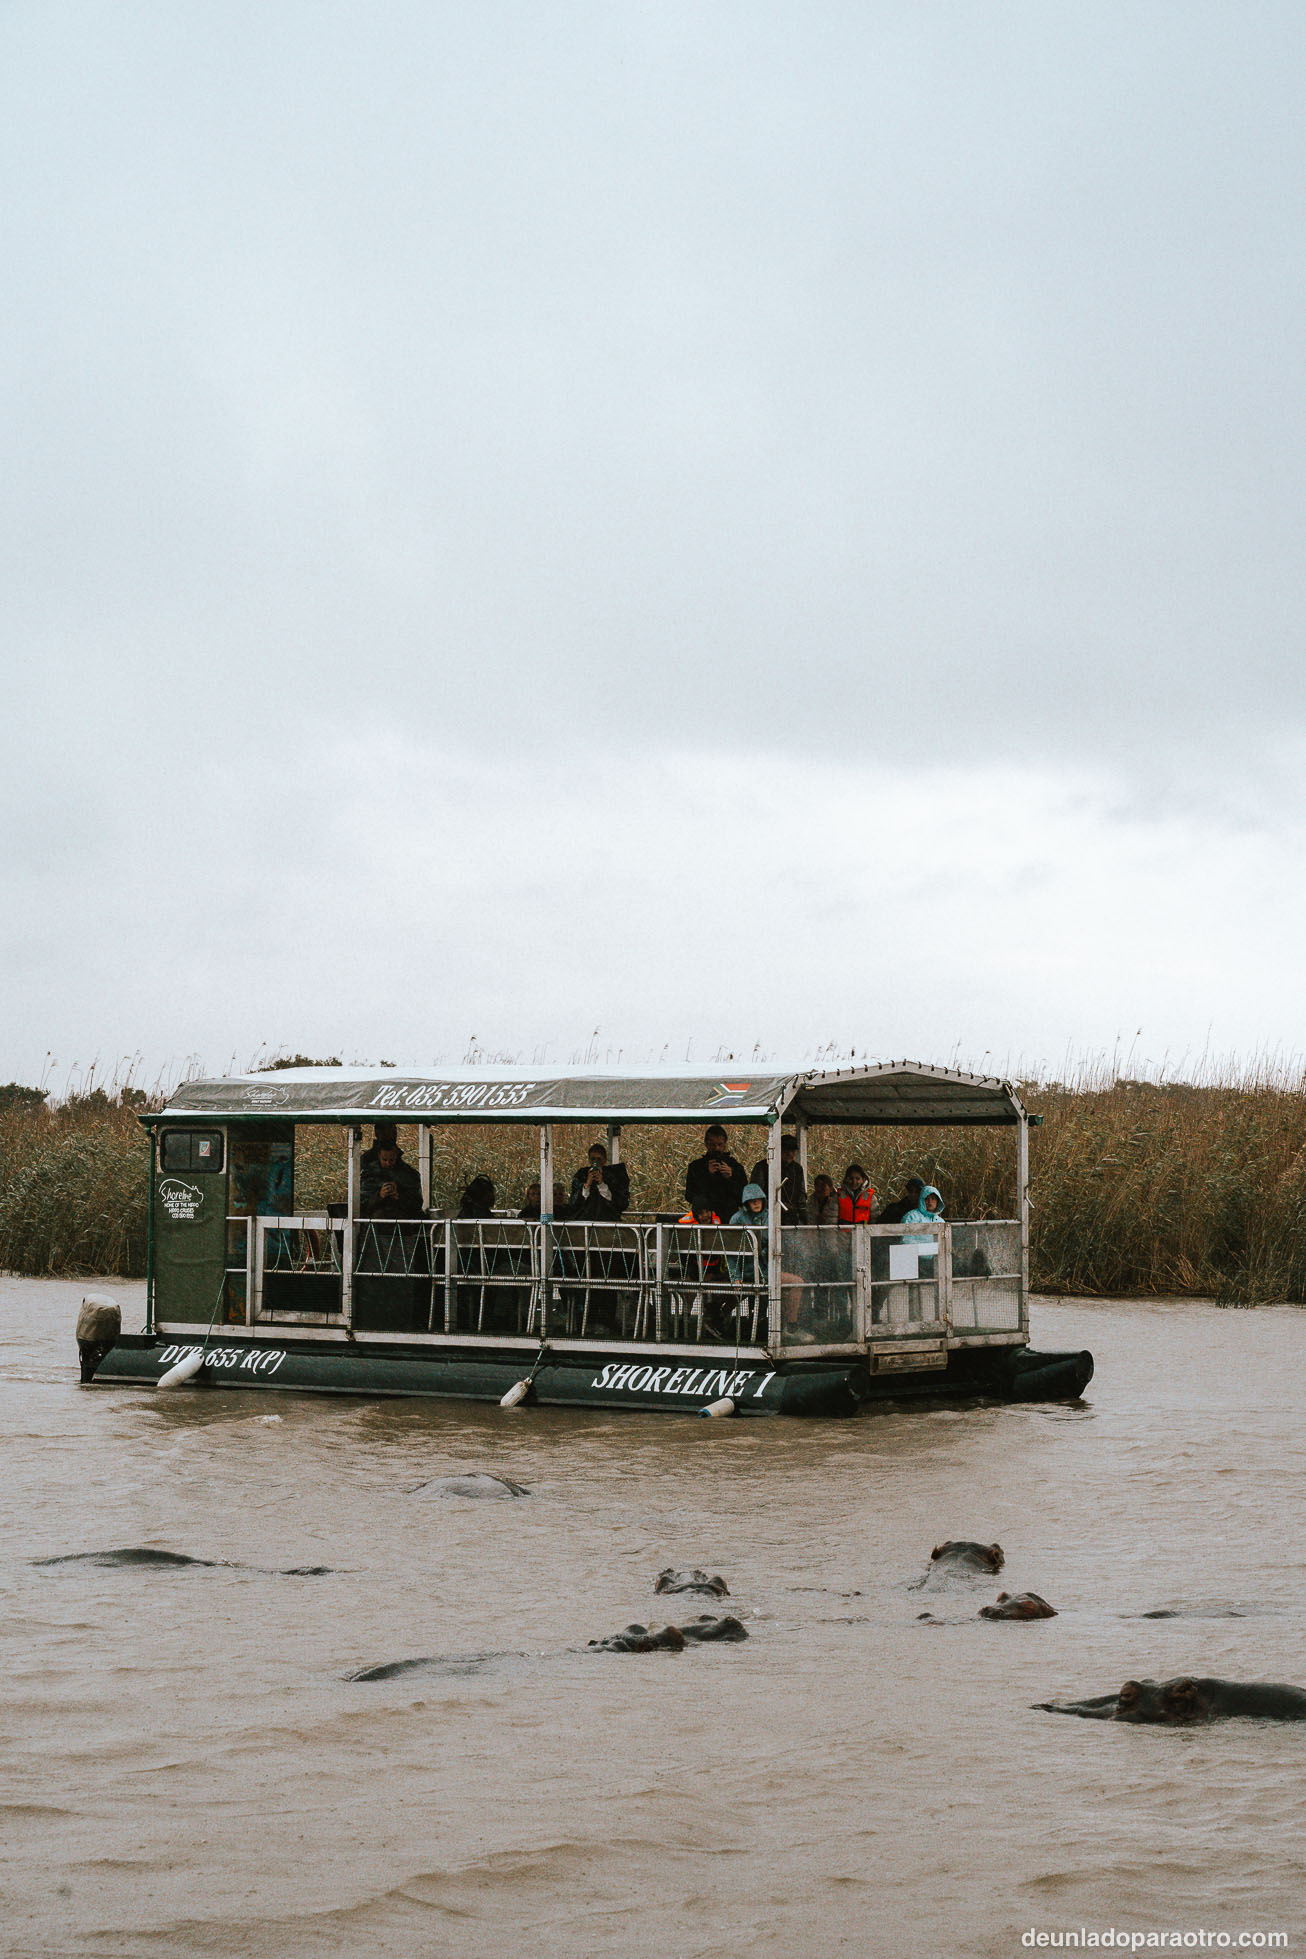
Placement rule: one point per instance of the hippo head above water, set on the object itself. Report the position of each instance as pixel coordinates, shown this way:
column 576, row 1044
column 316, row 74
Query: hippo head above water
column 1018, row 1605
column 962, row 1555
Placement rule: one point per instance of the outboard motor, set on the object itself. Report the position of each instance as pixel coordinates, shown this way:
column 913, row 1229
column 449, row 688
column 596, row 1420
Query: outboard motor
column 98, row 1325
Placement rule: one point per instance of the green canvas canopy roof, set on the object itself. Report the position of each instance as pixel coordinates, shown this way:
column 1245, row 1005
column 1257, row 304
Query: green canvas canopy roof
column 890, row 1093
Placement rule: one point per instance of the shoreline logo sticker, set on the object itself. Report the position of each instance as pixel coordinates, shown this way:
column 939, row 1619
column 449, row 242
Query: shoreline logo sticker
column 728, row 1095
column 184, row 1203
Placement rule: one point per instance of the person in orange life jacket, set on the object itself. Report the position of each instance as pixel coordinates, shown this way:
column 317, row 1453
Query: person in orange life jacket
column 709, row 1267
column 706, row 1268
column 793, row 1189
column 856, row 1196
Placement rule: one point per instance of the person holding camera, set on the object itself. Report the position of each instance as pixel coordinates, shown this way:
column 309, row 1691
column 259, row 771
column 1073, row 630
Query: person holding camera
column 600, row 1191
column 715, row 1178
column 389, row 1187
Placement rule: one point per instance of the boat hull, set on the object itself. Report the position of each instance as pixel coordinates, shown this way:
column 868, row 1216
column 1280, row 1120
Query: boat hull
column 676, row 1384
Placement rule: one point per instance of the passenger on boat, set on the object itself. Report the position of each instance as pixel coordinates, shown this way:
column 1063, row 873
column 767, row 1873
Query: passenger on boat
column 793, row 1185
column 752, row 1206
column 824, row 1260
column 752, row 1216
column 385, row 1136
column 530, row 1210
column 716, row 1178
column 823, row 1204
column 748, row 1265
column 928, row 1211
column 911, row 1196
column 856, row 1196
column 477, row 1200
column 700, row 1269
column 600, row 1191
column 389, row 1187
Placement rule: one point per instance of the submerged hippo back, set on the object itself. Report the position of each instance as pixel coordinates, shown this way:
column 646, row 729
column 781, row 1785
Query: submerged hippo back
column 1187, row 1699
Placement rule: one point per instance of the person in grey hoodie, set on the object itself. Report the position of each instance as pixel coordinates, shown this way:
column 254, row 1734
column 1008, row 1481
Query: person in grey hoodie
column 752, row 1216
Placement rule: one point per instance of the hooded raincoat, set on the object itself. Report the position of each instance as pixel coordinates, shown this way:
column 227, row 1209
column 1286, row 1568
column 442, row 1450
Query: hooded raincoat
column 923, row 1216
column 741, row 1264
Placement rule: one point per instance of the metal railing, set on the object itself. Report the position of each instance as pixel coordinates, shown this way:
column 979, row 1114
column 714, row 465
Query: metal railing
column 295, row 1266
column 985, row 1279
column 903, row 1276
column 605, row 1281
column 636, row 1281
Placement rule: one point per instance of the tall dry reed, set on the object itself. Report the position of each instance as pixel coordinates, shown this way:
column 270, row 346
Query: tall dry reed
column 1138, row 1187
column 73, row 1187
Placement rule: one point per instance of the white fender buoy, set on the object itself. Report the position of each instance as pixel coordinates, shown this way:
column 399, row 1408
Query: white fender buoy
column 516, row 1394
column 723, row 1407
column 186, row 1369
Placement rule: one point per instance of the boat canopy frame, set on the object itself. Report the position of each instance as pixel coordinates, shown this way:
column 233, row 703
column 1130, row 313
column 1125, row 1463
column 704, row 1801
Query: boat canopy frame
column 892, row 1093
column 881, row 1095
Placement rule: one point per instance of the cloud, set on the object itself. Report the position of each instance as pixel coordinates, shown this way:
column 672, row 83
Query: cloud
column 755, row 368
column 764, row 479
column 396, row 900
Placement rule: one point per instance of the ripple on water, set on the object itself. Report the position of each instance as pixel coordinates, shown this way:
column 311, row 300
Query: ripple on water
column 188, row 1770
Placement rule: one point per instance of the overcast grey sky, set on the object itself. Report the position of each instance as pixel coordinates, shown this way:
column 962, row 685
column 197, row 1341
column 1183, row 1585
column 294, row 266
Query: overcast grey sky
column 734, row 523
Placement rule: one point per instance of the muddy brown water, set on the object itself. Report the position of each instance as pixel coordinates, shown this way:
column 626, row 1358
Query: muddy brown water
column 188, row 1772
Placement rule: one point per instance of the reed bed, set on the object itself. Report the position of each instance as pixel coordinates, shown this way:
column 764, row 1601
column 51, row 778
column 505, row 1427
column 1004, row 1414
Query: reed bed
column 73, row 1186
column 1140, row 1188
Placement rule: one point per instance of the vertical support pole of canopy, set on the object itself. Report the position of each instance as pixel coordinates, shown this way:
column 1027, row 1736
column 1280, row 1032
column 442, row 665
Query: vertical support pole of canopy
column 353, row 1137
column 614, row 1142
column 149, row 1234
column 546, row 1172
column 424, row 1163
column 1022, row 1179
column 659, row 1283
column 546, row 1226
column 800, row 1131
column 774, row 1256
